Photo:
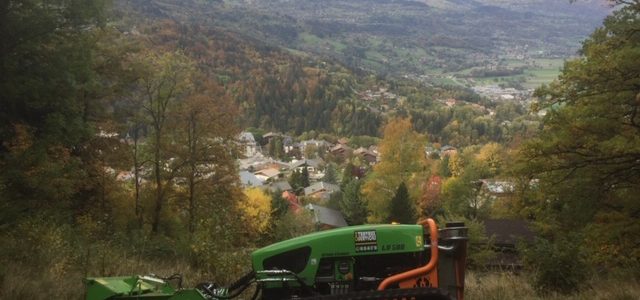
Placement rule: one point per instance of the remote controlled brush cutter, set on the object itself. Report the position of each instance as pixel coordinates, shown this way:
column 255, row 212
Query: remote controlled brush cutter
column 367, row 262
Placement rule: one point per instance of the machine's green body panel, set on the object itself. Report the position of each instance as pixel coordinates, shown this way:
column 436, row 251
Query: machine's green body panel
column 188, row 294
column 345, row 242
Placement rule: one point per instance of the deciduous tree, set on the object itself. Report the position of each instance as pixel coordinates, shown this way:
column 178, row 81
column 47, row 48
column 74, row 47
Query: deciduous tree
column 205, row 136
column 166, row 81
column 402, row 160
column 256, row 209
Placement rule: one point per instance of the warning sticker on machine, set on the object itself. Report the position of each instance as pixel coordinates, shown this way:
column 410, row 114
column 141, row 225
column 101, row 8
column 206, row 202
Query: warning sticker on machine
column 366, row 241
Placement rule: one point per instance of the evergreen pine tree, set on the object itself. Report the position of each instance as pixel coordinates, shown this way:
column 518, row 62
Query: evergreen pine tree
column 444, row 167
column 347, row 175
column 295, row 180
column 272, row 148
column 304, row 178
column 278, row 148
column 401, row 209
column 279, row 205
column 330, row 175
column 352, row 205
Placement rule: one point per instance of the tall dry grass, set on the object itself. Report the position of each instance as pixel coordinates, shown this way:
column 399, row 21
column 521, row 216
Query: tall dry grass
column 20, row 281
column 497, row 286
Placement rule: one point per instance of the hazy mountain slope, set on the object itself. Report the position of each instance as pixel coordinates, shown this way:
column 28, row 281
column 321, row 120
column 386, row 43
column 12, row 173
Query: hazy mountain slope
column 412, row 36
column 400, row 36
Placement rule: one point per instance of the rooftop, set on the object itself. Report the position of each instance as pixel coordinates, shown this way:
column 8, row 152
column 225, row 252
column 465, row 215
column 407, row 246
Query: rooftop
column 327, row 216
column 509, row 232
column 321, row 186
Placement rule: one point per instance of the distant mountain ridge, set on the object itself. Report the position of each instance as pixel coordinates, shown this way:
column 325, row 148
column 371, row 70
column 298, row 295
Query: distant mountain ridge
column 400, row 36
column 595, row 6
column 409, row 36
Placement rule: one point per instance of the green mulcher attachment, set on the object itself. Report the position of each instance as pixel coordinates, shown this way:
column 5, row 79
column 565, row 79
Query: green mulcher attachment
column 154, row 287
column 368, row 262
column 136, row 287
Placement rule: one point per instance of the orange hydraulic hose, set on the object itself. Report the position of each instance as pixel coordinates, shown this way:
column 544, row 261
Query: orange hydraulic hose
column 414, row 273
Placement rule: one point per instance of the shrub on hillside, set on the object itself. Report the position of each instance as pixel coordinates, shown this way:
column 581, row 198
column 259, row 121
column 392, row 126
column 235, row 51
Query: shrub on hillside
column 558, row 266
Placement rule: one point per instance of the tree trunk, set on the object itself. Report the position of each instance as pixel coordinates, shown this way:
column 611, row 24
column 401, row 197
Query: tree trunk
column 192, row 203
column 159, row 192
column 192, row 172
column 136, row 172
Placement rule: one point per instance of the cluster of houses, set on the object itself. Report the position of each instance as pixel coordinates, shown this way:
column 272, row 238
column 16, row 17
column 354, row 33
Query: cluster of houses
column 258, row 170
column 380, row 94
column 379, row 99
column 497, row 93
column 253, row 150
column 443, row 151
column 451, row 102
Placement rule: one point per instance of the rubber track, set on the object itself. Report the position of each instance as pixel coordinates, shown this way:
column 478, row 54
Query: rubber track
column 409, row 294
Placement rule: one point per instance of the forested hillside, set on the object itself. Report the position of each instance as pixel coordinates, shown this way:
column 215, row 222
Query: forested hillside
column 274, row 89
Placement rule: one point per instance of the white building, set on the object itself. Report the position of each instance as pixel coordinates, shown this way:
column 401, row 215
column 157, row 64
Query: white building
column 249, row 144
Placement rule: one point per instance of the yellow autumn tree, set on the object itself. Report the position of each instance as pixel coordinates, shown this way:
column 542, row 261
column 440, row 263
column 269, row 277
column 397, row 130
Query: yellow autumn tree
column 456, row 164
column 403, row 160
column 256, row 210
column 492, row 158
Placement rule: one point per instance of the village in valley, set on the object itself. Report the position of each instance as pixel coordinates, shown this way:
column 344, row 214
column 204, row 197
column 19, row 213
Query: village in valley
column 315, row 162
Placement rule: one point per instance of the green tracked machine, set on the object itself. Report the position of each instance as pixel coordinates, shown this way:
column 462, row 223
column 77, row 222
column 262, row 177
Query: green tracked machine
column 368, row 262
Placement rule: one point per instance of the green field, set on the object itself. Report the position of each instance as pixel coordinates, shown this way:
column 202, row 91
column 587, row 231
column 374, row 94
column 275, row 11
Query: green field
column 546, row 70
column 375, row 56
column 446, row 81
column 315, row 41
column 380, row 54
column 536, row 73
